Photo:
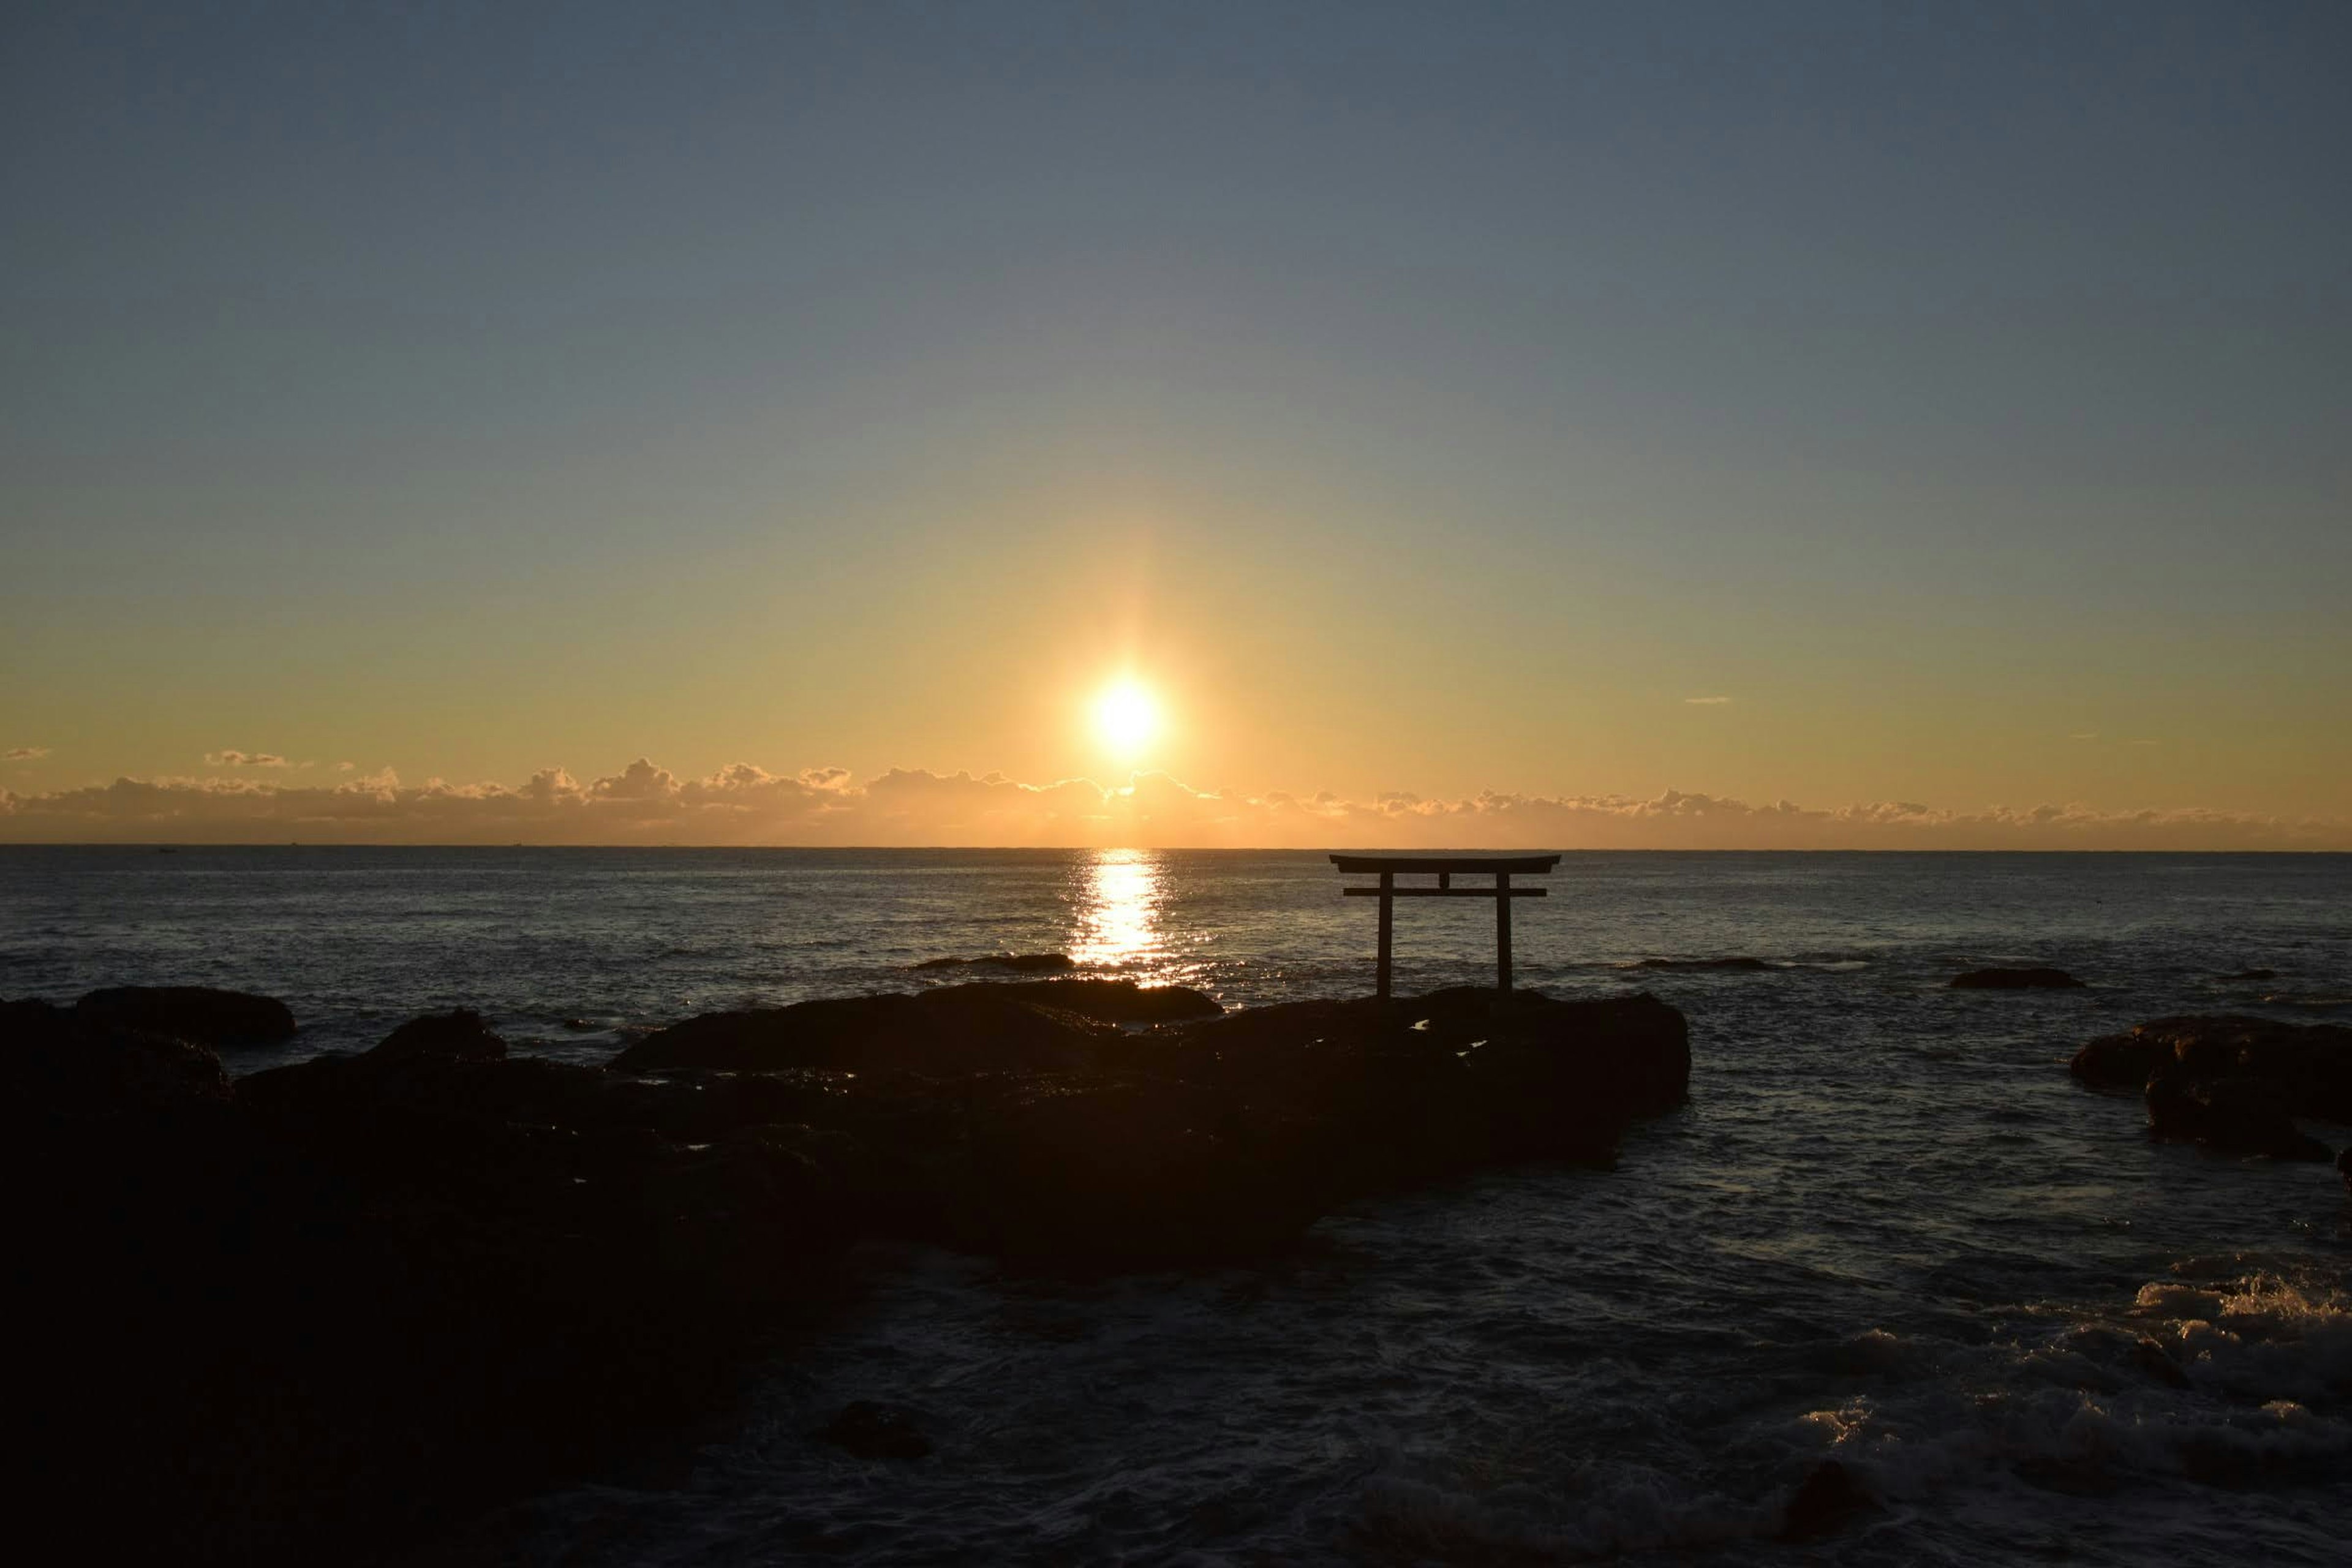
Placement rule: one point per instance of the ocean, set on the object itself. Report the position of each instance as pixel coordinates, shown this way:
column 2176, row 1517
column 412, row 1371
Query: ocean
column 1888, row 1229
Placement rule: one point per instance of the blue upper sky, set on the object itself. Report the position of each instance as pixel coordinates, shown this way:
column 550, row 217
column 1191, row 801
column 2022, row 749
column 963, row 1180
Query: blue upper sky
column 1850, row 360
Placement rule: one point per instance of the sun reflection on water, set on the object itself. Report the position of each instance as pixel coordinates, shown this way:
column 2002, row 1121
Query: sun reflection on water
column 1119, row 900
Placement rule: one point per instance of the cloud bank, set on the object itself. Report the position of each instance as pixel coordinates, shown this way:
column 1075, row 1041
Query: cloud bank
column 745, row 805
column 234, row 759
column 23, row 754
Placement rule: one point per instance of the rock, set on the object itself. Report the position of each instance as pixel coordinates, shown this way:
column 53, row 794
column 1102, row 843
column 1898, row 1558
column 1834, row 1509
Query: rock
column 2253, row 975
column 1745, row 965
column 195, row 1013
column 874, row 1431
column 2117, row 1061
column 406, row 1284
column 459, row 1036
column 2235, row 1115
column 2344, row 1165
column 1104, row 1000
column 66, row 1064
column 1018, row 962
column 2026, row 979
column 989, row 1025
column 2151, row 1358
column 2311, row 1064
column 1827, row 1497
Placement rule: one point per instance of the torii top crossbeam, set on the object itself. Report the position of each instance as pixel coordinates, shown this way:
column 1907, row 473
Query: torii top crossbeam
column 1446, row 868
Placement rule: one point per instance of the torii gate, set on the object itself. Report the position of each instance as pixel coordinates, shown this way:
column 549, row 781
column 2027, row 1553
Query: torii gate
column 1502, row 869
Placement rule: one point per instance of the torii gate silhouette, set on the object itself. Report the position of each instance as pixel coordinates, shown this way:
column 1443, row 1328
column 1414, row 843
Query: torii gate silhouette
column 1448, row 866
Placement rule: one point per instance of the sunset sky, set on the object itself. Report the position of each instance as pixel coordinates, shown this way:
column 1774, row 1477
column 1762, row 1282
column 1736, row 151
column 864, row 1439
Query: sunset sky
column 1881, row 425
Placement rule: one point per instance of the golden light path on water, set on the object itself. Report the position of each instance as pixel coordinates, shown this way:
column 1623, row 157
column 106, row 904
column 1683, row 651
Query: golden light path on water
column 1119, row 900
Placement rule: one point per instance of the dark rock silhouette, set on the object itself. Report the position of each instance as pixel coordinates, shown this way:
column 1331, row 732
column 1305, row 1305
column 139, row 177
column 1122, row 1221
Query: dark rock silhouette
column 2028, row 979
column 1748, row 964
column 2310, row 1063
column 2233, row 1083
column 874, row 1431
column 1826, row 1498
column 2253, row 975
column 987, row 1025
column 403, row 1284
column 197, row 1014
column 460, row 1034
column 2344, row 1165
column 2235, row 1115
column 2153, row 1359
column 1017, row 962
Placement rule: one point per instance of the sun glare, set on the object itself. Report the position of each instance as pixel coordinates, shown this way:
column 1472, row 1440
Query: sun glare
column 1126, row 718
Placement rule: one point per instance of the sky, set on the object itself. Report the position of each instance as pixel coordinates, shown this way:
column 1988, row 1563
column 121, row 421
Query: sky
column 1676, row 425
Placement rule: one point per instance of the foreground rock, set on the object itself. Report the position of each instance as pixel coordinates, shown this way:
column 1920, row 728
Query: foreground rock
column 352, row 1299
column 1053, row 1025
column 2235, row 1084
column 2027, row 979
column 197, row 1014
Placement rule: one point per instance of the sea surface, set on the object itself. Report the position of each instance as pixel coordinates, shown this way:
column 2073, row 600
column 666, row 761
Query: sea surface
column 1888, row 1227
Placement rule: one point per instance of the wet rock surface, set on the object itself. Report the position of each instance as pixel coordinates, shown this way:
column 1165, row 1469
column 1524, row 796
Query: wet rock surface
column 197, row 1014
column 404, row 1283
column 2235, row 1084
column 2016, row 979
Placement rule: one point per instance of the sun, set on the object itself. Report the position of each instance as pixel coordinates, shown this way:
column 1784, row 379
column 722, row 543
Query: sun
column 1127, row 717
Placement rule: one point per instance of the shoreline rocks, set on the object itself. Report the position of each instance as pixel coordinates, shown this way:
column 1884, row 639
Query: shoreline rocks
column 403, row 1284
column 2234, row 1084
column 200, row 1014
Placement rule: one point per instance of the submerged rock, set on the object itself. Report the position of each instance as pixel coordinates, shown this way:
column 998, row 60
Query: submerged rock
column 1018, row 962
column 2019, row 979
column 2253, row 975
column 1746, row 964
column 196, row 1013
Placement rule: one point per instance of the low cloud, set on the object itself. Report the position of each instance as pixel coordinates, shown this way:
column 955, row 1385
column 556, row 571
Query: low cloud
column 24, row 753
column 1707, row 702
column 233, row 759
column 745, row 803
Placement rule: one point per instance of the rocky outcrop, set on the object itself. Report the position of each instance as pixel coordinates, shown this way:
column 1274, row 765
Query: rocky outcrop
column 986, row 1027
column 2023, row 979
column 2234, row 1083
column 197, row 1014
column 1743, row 965
column 2236, row 1115
column 459, row 1036
column 404, row 1283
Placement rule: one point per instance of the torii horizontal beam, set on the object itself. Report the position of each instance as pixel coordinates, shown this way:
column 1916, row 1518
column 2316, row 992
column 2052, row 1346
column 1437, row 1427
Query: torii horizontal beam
column 1445, row 868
